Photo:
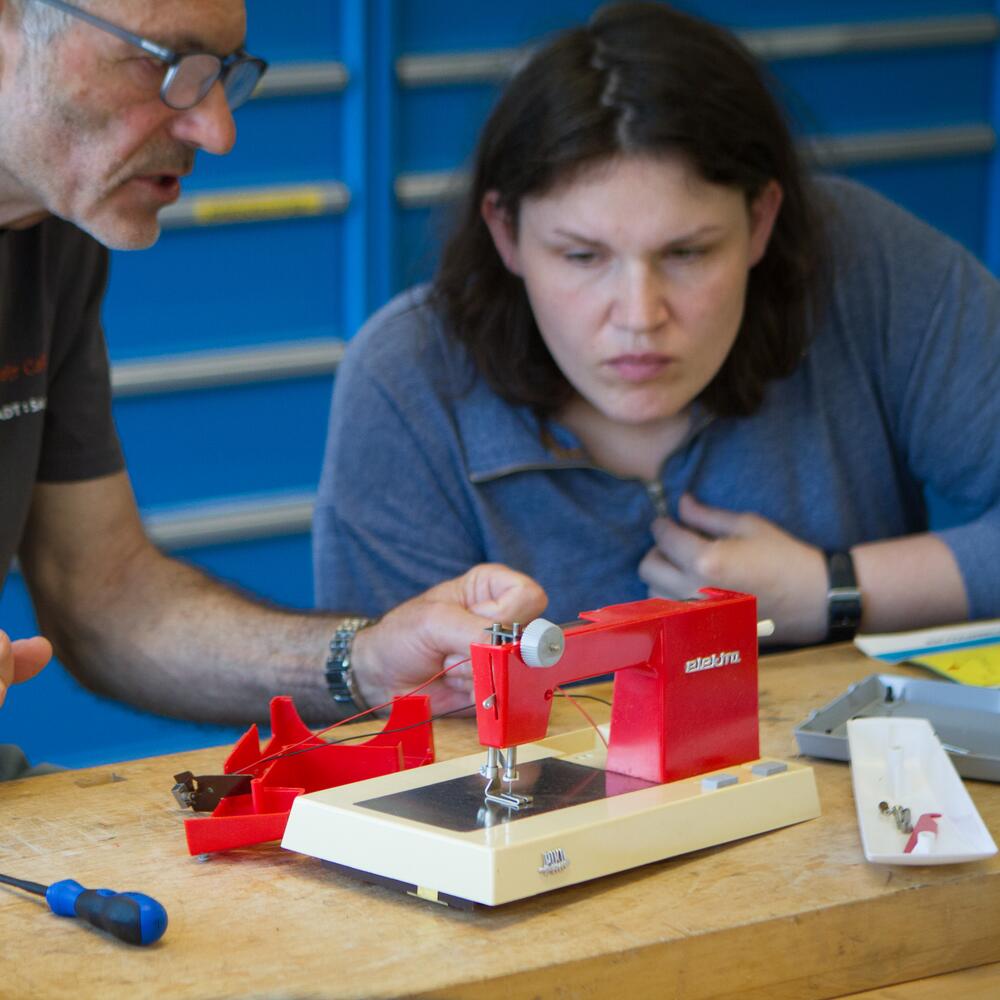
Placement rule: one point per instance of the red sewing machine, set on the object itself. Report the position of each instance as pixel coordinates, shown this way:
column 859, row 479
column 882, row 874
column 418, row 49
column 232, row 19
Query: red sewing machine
column 680, row 769
column 685, row 696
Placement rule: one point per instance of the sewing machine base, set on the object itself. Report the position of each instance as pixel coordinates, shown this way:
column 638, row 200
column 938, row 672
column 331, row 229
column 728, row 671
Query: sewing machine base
column 429, row 829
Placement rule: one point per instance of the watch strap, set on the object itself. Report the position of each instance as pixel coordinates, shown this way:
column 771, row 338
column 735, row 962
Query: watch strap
column 340, row 679
column 843, row 597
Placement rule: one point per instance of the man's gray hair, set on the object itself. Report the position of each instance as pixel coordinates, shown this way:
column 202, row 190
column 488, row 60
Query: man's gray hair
column 40, row 22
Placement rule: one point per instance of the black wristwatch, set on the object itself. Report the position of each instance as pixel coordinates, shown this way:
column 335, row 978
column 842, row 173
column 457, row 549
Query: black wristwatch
column 340, row 679
column 843, row 597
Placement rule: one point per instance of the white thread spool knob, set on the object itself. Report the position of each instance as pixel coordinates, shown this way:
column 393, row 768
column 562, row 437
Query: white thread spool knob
column 542, row 643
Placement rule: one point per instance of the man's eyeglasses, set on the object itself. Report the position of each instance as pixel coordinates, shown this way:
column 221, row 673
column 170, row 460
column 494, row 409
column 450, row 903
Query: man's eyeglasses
column 190, row 75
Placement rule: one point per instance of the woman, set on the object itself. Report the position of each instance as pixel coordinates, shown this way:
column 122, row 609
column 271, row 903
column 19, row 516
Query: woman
column 657, row 357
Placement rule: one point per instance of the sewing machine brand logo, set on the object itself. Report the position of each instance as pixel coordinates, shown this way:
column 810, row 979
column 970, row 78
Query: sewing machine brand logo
column 723, row 659
column 554, row 861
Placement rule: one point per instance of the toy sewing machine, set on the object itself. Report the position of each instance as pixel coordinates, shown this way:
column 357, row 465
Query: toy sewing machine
column 681, row 770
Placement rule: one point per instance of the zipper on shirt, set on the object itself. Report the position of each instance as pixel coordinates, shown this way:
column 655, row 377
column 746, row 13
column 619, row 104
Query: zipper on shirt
column 658, row 497
column 654, row 487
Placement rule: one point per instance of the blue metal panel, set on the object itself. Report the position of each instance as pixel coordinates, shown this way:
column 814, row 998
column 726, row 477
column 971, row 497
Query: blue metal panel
column 383, row 163
column 421, row 234
column 309, row 149
column 436, row 26
column 887, row 90
column 227, row 286
column 439, row 125
column 432, row 25
column 992, row 221
column 356, row 136
column 276, row 569
column 298, row 31
column 368, row 142
column 782, row 13
column 948, row 193
column 254, row 438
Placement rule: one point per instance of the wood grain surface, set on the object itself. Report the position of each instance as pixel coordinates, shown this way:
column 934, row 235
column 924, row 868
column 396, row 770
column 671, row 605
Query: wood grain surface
column 794, row 913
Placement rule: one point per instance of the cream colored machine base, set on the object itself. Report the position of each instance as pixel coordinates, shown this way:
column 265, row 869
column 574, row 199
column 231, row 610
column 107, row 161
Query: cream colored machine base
column 504, row 855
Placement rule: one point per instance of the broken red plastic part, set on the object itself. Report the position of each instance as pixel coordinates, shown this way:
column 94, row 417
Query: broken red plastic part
column 927, row 821
column 260, row 815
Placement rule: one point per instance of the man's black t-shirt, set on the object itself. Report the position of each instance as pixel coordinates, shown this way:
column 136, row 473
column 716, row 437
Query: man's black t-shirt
column 55, row 386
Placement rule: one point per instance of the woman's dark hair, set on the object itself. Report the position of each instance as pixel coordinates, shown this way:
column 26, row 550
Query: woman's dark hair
column 639, row 79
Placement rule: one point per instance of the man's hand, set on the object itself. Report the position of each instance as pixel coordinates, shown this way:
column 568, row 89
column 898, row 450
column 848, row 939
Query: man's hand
column 417, row 639
column 21, row 659
column 711, row 547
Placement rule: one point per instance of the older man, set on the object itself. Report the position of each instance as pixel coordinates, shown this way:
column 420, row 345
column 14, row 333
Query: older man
column 100, row 119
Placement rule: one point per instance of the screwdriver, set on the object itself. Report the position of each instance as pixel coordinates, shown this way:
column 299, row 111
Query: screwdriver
column 129, row 916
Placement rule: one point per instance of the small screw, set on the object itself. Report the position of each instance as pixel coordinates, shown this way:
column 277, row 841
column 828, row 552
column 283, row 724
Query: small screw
column 900, row 814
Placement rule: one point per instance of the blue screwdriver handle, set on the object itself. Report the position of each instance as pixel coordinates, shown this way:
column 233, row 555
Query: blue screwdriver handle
column 129, row 916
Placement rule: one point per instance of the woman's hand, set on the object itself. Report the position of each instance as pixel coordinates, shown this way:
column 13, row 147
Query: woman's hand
column 712, row 547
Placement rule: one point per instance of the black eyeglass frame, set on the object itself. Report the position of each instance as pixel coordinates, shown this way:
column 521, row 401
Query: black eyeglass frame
column 172, row 59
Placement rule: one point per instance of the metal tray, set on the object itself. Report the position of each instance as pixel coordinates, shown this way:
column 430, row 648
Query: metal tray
column 965, row 719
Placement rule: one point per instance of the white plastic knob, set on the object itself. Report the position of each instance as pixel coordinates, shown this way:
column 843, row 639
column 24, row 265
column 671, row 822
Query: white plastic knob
column 542, row 643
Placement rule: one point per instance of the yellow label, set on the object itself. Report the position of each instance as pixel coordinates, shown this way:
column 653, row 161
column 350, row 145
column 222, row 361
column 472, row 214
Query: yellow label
column 429, row 894
column 208, row 209
column 975, row 665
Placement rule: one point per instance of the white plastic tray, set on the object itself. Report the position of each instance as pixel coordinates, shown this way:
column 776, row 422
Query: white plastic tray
column 902, row 763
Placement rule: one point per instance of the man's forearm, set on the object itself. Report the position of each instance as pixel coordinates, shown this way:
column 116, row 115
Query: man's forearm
column 165, row 637
column 131, row 623
column 168, row 638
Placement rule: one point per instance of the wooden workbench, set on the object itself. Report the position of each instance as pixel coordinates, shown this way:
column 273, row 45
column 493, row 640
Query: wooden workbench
column 794, row 913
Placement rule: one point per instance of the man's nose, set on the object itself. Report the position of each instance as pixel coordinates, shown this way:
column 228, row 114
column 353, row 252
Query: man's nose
column 640, row 303
column 209, row 124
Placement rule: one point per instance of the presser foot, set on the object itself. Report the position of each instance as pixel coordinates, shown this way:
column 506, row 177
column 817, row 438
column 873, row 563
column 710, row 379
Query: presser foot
column 497, row 762
column 509, row 799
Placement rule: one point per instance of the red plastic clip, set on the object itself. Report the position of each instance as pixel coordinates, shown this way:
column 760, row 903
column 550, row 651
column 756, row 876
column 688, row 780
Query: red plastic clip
column 928, row 822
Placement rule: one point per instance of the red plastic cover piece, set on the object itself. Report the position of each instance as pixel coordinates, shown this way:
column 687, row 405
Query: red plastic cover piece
column 261, row 814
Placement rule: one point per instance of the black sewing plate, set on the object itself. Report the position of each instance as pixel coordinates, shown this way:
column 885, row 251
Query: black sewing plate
column 458, row 804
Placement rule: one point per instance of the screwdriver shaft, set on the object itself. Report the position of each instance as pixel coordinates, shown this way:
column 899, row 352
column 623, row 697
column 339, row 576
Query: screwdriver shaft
column 36, row 887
